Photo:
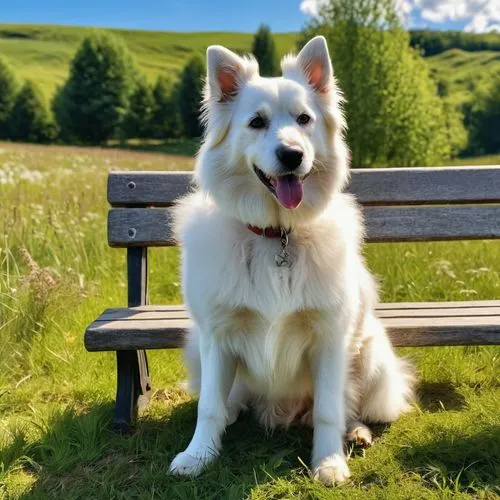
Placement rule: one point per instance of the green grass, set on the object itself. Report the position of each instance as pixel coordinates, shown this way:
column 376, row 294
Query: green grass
column 180, row 147
column 43, row 53
column 56, row 399
column 475, row 160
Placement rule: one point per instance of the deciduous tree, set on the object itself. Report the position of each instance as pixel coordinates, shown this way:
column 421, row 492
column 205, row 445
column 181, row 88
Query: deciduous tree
column 394, row 113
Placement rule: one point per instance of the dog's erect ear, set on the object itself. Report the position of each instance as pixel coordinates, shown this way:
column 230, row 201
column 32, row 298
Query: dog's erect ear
column 314, row 61
column 225, row 72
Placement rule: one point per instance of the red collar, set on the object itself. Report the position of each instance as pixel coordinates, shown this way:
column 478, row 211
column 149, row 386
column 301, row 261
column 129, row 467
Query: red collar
column 268, row 232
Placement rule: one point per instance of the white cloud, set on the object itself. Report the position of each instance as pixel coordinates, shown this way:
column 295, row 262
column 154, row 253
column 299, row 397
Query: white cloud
column 311, row 7
column 479, row 15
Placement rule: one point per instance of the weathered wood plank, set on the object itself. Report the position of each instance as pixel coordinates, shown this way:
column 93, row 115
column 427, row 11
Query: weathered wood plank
column 158, row 334
column 159, row 327
column 138, row 227
column 134, row 314
column 443, row 322
column 440, row 313
column 117, row 335
column 169, row 307
column 166, row 313
column 382, row 186
column 427, row 305
column 382, row 305
column 394, row 224
column 436, row 185
column 132, row 227
column 458, row 335
column 147, row 188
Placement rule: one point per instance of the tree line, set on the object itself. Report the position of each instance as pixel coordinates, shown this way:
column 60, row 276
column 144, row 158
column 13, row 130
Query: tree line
column 395, row 110
column 105, row 97
column 435, row 42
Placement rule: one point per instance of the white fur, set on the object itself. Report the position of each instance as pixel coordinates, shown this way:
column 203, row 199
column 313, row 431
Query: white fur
column 279, row 338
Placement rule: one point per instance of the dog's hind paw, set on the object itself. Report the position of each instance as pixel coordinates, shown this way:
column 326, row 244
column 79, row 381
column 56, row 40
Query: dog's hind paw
column 185, row 464
column 331, row 471
column 360, row 434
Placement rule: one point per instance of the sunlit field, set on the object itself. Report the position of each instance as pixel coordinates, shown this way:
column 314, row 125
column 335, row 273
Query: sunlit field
column 57, row 274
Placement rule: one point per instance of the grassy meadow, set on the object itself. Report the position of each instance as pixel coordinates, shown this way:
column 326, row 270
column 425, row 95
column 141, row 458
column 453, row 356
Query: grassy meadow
column 57, row 274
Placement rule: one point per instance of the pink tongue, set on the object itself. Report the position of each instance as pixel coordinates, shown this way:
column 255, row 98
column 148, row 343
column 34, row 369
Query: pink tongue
column 289, row 191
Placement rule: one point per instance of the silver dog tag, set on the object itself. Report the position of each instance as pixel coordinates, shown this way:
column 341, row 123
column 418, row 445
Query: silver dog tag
column 282, row 258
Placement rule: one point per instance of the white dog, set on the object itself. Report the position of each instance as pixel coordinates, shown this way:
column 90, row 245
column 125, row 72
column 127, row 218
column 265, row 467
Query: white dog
column 272, row 272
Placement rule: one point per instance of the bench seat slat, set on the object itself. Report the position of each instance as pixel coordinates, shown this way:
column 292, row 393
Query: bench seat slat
column 381, row 186
column 383, row 305
column 159, row 327
column 425, row 305
column 141, row 313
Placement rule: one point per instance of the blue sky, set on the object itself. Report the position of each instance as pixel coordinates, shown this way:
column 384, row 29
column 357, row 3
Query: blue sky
column 234, row 15
column 165, row 15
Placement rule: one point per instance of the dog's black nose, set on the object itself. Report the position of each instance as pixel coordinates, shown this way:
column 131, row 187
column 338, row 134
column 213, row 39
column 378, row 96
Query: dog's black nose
column 290, row 158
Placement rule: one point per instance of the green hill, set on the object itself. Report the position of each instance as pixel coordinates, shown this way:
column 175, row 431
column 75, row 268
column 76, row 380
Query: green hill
column 43, row 53
column 464, row 72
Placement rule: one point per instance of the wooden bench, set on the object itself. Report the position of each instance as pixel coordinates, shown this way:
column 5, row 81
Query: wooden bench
column 419, row 204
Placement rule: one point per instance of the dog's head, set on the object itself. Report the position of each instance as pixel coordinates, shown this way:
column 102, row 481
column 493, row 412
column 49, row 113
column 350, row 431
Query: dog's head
column 273, row 151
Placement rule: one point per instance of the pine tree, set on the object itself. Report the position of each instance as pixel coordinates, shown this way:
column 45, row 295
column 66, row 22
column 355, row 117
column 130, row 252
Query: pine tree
column 8, row 90
column 264, row 50
column 190, row 94
column 137, row 123
column 166, row 121
column 30, row 119
column 93, row 102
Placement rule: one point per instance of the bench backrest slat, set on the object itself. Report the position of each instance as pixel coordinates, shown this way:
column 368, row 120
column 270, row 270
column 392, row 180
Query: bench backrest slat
column 384, row 186
column 398, row 204
column 152, row 226
column 159, row 189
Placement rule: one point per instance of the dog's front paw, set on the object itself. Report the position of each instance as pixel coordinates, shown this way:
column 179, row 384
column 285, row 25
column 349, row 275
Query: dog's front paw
column 331, row 470
column 185, row 464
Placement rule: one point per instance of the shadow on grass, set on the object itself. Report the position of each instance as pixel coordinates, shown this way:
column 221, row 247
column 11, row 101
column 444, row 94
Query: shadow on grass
column 457, row 463
column 77, row 456
column 438, row 396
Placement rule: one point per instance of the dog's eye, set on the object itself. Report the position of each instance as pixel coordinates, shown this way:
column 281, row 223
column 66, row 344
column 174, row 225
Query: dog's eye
column 303, row 119
column 257, row 122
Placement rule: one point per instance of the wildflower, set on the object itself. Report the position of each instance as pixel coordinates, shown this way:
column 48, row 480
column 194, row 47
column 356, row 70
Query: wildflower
column 39, row 279
column 443, row 267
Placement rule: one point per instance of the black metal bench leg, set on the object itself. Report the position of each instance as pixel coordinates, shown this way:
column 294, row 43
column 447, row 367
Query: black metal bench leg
column 133, row 389
column 133, row 385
